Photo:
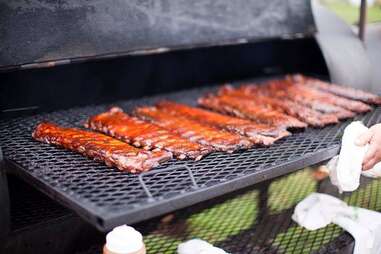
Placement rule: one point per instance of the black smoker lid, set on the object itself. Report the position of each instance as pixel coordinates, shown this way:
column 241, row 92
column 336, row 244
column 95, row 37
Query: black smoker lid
column 56, row 32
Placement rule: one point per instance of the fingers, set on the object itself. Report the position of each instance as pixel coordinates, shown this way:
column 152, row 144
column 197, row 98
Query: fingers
column 370, row 164
column 373, row 138
column 371, row 153
column 364, row 138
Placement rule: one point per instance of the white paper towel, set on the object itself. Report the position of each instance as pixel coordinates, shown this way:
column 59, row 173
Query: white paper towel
column 318, row 210
column 346, row 168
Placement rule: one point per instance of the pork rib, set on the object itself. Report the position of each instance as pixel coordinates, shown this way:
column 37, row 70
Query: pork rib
column 301, row 84
column 256, row 132
column 285, row 89
column 100, row 147
column 194, row 131
column 343, row 91
column 248, row 109
column 140, row 133
column 284, row 105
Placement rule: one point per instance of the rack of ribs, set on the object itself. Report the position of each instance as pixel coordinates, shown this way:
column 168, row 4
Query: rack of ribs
column 246, row 108
column 143, row 134
column 100, row 147
column 284, row 105
column 203, row 134
column 258, row 133
column 285, row 89
column 343, row 91
column 300, row 84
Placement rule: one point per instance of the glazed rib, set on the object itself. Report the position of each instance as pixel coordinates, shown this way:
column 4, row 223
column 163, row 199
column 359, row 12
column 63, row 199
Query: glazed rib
column 343, row 91
column 284, row 105
column 301, row 84
column 352, row 105
column 285, row 89
column 194, row 131
column 248, row 109
column 100, row 147
column 256, row 132
column 140, row 133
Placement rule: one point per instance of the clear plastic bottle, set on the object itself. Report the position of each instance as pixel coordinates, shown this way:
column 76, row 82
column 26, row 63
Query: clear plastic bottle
column 124, row 240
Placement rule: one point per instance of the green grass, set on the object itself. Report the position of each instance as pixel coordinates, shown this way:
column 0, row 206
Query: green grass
column 212, row 224
column 290, row 190
column 351, row 13
column 223, row 220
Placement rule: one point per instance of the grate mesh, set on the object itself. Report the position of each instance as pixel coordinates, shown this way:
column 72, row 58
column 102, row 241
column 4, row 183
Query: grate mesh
column 107, row 197
column 257, row 220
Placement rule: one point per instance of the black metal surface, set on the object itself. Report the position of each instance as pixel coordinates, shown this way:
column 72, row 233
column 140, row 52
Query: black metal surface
column 29, row 207
column 106, row 197
column 5, row 220
column 71, row 31
column 256, row 221
column 41, row 225
column 135, row 77
column 56, row 236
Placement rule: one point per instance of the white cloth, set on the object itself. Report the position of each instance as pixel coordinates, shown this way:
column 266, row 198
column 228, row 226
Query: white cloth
column 346, row 168
column 318, row 210
column 197, row 246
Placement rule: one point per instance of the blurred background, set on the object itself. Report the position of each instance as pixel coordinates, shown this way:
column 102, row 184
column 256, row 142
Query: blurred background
column 349, row 10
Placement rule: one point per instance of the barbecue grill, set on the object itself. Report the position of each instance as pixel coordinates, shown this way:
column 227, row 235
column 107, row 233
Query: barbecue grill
column 66, row 61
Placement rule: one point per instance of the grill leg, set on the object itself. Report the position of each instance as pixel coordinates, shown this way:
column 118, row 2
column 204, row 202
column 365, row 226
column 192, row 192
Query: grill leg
column 263, row 198
column 5, row 216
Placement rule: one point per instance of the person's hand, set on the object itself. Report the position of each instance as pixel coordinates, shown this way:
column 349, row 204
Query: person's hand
column 373, row 138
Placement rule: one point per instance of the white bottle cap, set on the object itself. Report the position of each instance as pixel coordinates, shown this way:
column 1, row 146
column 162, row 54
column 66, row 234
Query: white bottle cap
column 197, row 246
column 124, row 240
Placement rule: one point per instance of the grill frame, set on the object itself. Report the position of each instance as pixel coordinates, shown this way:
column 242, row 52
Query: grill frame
column 107, row 217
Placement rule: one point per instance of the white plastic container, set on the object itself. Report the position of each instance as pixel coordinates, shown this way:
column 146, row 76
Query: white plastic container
column 124, row 240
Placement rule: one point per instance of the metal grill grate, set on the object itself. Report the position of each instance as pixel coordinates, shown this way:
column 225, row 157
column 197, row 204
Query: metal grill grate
column 106, row 197
column 258, row 221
